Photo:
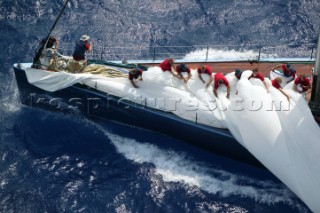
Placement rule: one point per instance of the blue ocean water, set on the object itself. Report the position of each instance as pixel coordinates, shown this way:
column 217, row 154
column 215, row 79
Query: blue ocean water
column 53, row 162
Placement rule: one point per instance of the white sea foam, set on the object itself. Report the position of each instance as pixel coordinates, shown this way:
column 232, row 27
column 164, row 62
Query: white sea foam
column 228, row 55
column 178, row 167
column 10, row 103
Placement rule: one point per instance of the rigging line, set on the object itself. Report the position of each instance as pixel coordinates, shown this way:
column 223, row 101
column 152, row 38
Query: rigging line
column 37, row 56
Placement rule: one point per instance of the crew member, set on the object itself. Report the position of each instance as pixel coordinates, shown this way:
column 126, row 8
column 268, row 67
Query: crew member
column 238, row 73
column 135, row 73
column 287, row 70
column 303, row 82
column 52, row 42
column 256, row 74
column 168, row 65
column 205, row 69
column 276, row 83
column 82, row 46
column 219, row 79
column 182, row 68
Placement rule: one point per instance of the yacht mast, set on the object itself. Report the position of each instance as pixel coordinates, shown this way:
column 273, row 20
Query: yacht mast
column 38, row 54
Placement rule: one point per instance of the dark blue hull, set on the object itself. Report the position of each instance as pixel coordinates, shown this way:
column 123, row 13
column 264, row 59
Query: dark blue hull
column 95, row 104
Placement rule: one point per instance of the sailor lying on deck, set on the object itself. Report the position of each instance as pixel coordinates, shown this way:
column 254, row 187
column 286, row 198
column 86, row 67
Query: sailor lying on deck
column 256, row 74
column 205, row 69
column 287, row 70
column 135, row 73
column 219, row 79
column 302, row 84
column 238, row 73
column 276, row 83
column 168, row 65
column 182, row 68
